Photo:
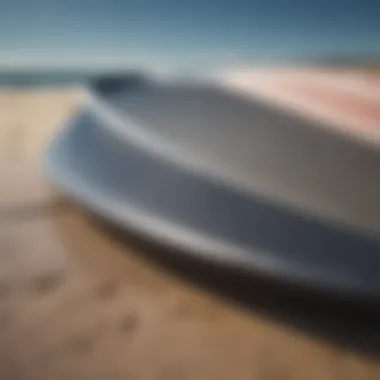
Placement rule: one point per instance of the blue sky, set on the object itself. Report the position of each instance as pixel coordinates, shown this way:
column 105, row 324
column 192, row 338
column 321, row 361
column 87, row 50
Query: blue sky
column 184, row 32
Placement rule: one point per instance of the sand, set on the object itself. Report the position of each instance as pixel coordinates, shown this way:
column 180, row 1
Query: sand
column 29, row 118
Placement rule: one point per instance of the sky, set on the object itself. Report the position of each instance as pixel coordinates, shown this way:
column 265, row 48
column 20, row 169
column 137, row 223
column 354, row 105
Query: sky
column 184, row 32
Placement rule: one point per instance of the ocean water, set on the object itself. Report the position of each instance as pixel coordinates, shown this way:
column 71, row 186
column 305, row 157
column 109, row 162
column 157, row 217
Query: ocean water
column 72, row 77
column 194, row 35
column 62, row 77
column 44, row 78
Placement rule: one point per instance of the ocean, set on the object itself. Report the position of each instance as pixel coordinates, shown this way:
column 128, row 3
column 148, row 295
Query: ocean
column 44, row 78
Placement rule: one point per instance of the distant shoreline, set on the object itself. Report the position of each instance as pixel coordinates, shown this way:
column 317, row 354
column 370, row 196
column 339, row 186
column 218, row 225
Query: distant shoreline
column 23, row 79
column 37, row 77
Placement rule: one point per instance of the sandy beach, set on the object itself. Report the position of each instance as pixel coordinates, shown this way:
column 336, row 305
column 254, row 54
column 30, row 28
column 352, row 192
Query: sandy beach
column 29, row 117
